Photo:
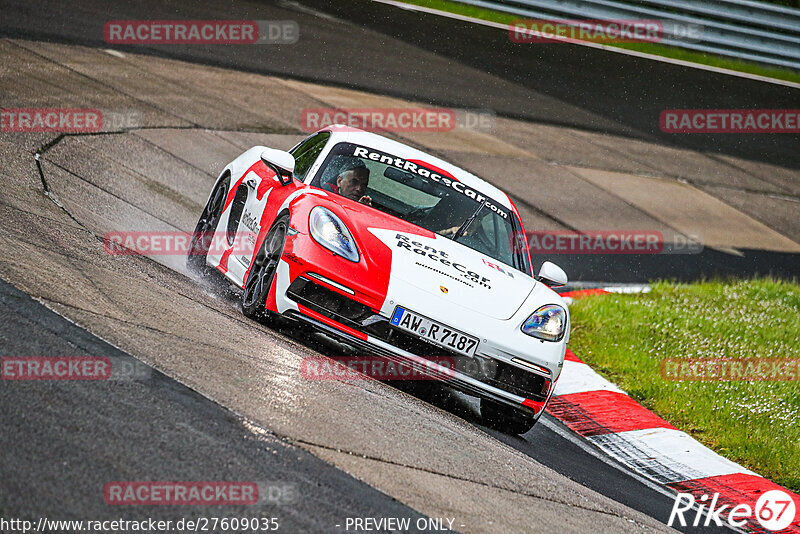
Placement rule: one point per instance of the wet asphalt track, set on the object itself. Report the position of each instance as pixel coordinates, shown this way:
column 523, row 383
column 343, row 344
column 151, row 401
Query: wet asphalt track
column 211, row 440
column 450, row 63
column 422, row 57
column 63, row 441
column 196, row 335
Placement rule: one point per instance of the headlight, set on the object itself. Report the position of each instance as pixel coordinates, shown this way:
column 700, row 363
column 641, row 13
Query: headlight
column 329, row 231
column 548, row 323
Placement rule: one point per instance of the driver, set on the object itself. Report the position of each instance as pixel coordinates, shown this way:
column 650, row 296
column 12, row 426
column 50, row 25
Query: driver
column 352, row 183
column 471, row 229
column 450, row 232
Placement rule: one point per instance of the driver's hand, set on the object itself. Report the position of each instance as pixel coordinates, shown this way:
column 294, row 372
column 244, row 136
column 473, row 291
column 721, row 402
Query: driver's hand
column 448, row 232
column 366, row 200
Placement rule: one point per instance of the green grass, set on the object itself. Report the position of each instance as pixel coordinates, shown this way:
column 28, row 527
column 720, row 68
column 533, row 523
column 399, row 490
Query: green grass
column 757, row 424
column 650, row 48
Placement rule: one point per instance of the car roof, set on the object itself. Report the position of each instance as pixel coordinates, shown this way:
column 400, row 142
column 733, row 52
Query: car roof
column 348, row 134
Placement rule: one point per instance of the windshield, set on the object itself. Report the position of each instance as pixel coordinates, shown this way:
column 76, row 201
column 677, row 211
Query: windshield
column 426, row 196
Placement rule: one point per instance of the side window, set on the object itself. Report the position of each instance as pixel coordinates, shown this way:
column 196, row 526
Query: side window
column 305, row 154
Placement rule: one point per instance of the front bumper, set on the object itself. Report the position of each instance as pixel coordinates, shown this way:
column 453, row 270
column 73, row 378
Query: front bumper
column 338, row 315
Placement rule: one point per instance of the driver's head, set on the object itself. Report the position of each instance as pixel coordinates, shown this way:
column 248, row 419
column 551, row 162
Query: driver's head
column 353, row 181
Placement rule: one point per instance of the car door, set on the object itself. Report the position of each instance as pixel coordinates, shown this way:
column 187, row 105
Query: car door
column 258, row 198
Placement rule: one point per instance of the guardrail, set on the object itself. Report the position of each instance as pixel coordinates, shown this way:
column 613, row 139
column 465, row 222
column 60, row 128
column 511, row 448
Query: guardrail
column 742, row 29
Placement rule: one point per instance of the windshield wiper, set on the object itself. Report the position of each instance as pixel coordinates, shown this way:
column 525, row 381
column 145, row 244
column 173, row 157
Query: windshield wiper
column 463, row 228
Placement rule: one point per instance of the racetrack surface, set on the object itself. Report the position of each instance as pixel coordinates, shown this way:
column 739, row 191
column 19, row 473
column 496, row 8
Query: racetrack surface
column 450, row 468
column 63, row 441
column 156, row 177
column 591, row 146
column 391, row 51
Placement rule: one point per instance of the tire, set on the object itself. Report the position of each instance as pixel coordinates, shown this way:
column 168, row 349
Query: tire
column 505, row 418
column 262, row 272
column 206, row 226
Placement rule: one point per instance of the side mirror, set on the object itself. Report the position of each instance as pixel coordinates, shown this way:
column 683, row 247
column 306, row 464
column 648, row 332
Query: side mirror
column 282, row 163
column 552, row 275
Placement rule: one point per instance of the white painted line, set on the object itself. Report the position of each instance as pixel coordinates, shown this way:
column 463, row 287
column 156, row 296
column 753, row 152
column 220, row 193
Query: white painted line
column 683, row 63
column 633, row 288
column 114, row 53
column 593, row 450
column 596, row 452
column 666, row 455
column 577, row 377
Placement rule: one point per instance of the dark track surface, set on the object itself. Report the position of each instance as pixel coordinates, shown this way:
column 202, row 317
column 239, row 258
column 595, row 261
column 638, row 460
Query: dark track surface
column 626, row 91
column 551, row 448
column 462, row 65
column 68, row 437
column 643, row 268
column 559, row 84
column 62, row 441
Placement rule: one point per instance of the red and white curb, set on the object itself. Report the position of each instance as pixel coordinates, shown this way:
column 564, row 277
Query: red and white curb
column 603, row 414
column 628, row 288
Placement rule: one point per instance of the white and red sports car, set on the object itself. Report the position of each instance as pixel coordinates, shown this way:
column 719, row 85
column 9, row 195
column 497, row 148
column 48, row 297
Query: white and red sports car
column 395, row 252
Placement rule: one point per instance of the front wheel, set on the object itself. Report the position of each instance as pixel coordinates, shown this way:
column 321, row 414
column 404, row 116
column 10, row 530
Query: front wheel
column 262, row 271
column 505, row 418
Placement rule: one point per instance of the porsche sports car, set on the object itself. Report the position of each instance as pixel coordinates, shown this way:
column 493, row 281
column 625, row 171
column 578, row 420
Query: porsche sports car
column 397, row 253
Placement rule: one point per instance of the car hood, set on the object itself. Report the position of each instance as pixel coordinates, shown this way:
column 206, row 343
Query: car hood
column 453, row 275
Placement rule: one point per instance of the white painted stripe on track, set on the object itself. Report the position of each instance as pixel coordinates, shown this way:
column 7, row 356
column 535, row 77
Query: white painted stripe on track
column 604, row 457
column 577, row 377
column 643, row 288
column 666, row 455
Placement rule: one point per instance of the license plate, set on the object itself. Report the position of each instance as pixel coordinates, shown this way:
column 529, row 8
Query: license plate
column 434, row 331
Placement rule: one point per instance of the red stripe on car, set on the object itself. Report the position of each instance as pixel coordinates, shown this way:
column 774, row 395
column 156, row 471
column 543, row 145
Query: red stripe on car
column 530, row 403
column 223, row 262
column 330, row 322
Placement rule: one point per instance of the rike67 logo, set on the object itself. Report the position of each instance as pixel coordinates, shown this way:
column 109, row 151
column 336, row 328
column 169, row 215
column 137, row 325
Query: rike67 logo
column 774, row 510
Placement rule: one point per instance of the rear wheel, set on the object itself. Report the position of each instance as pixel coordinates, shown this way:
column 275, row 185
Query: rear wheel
column 203, row 234
column 262, row 271
column 505, row 418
